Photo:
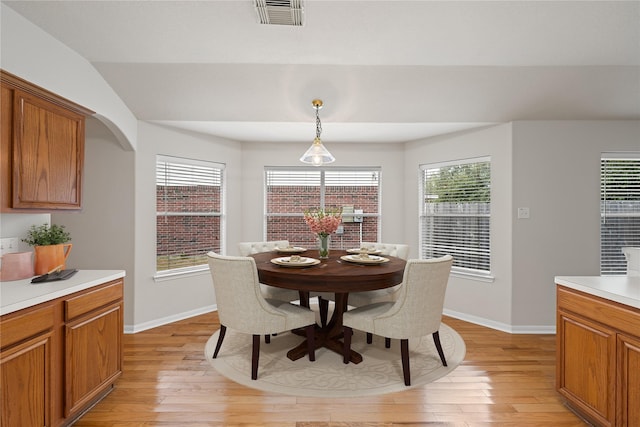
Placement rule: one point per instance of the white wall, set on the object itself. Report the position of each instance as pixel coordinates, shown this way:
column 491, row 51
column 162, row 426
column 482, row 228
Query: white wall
column 255, row 156
column 16, row 225
column 32, row 54
column 158, row 302
column 103, row 232
column 484, row 302
column 556, row 173
column 551, row 167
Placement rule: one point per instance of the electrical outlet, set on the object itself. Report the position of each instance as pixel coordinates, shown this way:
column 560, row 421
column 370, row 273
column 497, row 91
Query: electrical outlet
column 9, row 245
column 357, row 218
column 14, row 244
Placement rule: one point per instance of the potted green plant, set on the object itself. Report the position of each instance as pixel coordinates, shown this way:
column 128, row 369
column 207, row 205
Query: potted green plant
column 50, row 246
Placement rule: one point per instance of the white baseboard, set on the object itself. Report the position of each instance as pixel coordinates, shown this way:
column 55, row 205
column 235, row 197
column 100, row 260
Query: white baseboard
column 132, row 329
column 511, row 329
column 526, row 329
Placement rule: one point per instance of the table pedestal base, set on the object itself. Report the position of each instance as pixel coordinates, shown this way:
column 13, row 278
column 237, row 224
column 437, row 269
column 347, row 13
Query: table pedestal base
column 329, row 336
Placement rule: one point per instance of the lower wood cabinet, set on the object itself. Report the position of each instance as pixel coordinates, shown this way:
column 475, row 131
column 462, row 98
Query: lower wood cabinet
column 629, row 379
column 598, row 358
column 93, row 344
column 26, row 372
column 25, row 368
column 589, row 367
column 60, row 357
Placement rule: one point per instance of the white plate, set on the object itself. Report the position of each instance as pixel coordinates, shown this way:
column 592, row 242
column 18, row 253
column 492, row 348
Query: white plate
column 371, row 260
column 291, row 250
column 285, row 261
column 364, row 250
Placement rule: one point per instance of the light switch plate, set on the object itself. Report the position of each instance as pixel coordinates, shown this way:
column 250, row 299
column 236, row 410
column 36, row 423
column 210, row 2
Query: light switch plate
column 523, row 213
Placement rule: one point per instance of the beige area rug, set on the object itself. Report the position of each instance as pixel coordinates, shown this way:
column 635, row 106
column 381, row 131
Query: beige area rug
column 380, row 371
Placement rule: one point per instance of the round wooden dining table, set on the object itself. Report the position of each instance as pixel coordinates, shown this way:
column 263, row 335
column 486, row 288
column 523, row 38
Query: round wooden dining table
column 330, row 275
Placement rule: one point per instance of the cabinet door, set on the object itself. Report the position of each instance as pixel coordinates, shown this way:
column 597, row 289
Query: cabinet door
column 6, row 132
column 48, row 154
column 93, row 350
column 629, row 381
column 25, row 378
column 587, row 367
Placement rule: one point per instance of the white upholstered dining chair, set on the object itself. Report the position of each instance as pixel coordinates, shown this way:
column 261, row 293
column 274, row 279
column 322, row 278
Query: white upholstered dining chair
column 358, row 299
column 416, row 311
column 249, row 248
column 398, row 250
column 242, row 307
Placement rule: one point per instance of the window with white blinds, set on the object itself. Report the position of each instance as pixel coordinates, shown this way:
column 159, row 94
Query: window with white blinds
column 189, row 212
column 455, row 213
column 619, row 210
column 290, row 191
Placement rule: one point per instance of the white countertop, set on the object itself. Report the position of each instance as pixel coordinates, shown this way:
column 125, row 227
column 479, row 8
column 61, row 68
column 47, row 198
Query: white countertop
column 622, row 289
column 19, row 294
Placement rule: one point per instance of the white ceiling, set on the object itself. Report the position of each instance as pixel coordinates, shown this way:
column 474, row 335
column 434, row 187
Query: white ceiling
column 387, row 70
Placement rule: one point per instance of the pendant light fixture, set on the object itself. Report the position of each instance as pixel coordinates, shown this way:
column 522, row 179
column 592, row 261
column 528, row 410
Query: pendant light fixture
column 317, row 155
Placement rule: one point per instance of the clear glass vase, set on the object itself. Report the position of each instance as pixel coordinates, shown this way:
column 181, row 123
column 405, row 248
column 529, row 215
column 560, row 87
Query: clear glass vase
column 324, row 240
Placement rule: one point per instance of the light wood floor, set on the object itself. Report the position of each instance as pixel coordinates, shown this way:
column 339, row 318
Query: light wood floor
column 505, row 380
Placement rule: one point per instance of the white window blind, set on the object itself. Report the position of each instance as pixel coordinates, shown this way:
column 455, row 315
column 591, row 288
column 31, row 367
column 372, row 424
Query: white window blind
column 189, row 212
column 292, row 178
column 455, row 214
column 352, row 178
column 619, row 210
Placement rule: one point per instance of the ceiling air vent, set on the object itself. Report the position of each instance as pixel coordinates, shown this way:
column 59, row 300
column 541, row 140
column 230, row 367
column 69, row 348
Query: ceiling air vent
column 280, row 12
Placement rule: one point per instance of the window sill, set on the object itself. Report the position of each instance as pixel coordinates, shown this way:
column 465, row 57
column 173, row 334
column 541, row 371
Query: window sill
column 164, row 276
column 480, row 277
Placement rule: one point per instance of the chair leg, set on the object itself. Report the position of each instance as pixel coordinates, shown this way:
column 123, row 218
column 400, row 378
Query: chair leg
column 369, row 337
column 255, row 355
column 387, row 343
column 406, row 370
column 267, row 338
column 323, row 304
column 311, row 345
column 436, row 341
column 223, row 330
column 346, row 349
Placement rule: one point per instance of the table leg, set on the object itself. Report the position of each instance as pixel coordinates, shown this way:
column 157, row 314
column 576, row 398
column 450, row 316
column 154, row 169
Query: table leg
column 329, row 336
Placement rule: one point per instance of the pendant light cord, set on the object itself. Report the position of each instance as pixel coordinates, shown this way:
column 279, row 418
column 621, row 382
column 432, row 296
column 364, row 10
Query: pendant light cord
column 318, row 124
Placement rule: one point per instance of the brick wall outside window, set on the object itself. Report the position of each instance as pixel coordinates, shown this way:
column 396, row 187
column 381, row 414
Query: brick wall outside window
column 295, row 199
column 184, row 240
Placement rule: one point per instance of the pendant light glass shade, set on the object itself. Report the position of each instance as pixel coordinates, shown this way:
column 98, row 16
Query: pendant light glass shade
column 317, row 154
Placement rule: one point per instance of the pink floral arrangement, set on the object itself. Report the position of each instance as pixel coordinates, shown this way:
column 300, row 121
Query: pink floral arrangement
column 323, row 222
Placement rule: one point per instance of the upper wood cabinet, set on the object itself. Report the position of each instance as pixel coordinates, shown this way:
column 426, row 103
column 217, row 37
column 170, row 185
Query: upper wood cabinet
column 48, row 154
column 42, row 148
